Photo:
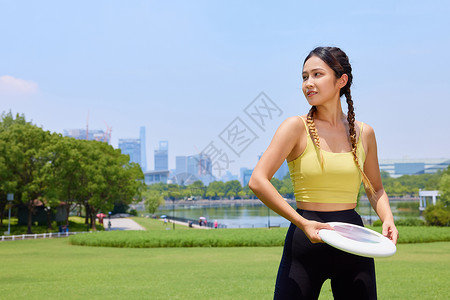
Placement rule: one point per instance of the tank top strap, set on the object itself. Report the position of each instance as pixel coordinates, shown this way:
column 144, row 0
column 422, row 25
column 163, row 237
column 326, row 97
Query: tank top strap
column 306, row 125
column 360, row 132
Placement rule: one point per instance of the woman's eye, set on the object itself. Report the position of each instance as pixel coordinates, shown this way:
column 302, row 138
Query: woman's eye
column 317, row 74
column 304, row 77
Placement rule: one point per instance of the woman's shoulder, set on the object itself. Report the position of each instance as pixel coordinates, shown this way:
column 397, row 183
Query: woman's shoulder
column 367, row 130
column 292, row 128
column 294, row 122
column 367, row 134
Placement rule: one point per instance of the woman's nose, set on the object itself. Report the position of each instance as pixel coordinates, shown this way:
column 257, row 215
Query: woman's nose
column 309, row 82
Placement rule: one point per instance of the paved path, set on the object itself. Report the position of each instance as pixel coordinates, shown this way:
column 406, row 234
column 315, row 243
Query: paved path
column 186, row 224
column 122, row 224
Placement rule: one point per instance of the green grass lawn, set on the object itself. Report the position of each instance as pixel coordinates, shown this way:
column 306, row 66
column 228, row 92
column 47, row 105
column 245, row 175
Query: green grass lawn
column 54, row 269
column 157, row 224
column 75, row 224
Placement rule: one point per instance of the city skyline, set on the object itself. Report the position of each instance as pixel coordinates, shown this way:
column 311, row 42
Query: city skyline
column 195, row 74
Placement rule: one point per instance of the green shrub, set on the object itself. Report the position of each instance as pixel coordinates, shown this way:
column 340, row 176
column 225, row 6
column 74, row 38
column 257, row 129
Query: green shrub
column 410, row 222
column 420, row 234
column 408, row 205
column 377, row 223
column 403, row 222
column 437, row 215
column 258, row 237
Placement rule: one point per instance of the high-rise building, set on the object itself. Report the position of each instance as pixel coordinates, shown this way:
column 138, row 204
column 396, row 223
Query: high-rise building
column 131, row 147
column 91, row 135
column 192, row 168
column 162, row 156
column 282, row 171
column 241, row 175
column 228, row 176
column 180, row 165
column 246, row 176
column 199, row 164
column 135, row 148
column 143, row 149
column 152, row 177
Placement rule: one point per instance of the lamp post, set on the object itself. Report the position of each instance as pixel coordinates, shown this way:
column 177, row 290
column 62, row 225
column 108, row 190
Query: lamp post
column 268, row 217
column 173, row 213
column 10, row 198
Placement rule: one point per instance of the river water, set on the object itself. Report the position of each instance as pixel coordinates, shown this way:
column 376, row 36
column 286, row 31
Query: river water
column 254, row 215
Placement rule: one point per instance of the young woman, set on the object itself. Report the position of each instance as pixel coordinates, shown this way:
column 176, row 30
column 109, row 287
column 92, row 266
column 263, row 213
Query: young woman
column 328, row 154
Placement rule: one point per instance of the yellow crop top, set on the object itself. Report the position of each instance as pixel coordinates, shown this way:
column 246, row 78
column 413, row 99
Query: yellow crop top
column 337, row 182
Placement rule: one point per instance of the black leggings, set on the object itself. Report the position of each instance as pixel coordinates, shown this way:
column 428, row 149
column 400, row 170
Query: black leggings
column 305, row 266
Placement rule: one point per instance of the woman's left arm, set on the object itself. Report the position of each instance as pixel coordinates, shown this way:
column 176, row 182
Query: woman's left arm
column 379, row 200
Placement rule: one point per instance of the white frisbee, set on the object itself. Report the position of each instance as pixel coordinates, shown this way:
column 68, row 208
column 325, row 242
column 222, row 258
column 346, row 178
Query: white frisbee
column 357, row 240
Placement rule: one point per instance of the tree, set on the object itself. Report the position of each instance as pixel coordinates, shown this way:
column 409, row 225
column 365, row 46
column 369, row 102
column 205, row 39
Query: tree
column 69, row 175
column 276, row 183
column 95, row 176
column 197, row 188
column 173, row 191
column 111, row 178
column 444, row 188
column 216, row 189
column 232, row 188
column 248, row 192
column 152, row 199
column 27, row 154
column 8, row 182
column 437, row 215
column 42, row 168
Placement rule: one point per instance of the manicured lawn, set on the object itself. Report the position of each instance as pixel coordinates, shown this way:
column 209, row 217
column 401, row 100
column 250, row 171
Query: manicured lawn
column 75, row 224
column 157, row 224
column 53, row 269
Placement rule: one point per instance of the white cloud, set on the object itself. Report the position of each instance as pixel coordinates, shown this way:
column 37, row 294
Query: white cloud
column 12, row 85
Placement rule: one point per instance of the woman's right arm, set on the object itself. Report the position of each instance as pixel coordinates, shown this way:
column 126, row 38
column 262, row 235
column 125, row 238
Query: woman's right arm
column 284, row 143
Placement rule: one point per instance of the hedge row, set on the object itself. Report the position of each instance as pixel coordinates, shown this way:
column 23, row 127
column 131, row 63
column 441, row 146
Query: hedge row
column 259, row 237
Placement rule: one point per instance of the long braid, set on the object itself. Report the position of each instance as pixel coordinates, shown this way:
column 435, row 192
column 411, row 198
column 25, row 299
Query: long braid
column 353, row 142
column 312, row 128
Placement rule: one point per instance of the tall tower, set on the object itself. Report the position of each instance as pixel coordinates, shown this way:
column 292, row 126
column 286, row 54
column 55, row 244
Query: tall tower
column 131, row 147
column 162, row 156
column 143, row 149
column 181, row 164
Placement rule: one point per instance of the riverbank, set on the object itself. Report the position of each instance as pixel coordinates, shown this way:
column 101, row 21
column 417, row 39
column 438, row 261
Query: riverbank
column 252, row 213
column 218, row 203
column 256, row 201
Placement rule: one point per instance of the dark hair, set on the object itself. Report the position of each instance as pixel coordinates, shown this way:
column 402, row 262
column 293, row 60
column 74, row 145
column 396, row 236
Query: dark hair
column 338, row 61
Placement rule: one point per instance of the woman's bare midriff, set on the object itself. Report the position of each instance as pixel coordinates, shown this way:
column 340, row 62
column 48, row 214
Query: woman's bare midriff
column 325, row 206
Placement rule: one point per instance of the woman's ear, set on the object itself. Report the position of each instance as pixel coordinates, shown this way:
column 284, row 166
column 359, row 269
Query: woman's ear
column 343, row 80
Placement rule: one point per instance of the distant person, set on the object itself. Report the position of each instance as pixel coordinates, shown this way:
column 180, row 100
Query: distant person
column 329, row 153
column 215, row 224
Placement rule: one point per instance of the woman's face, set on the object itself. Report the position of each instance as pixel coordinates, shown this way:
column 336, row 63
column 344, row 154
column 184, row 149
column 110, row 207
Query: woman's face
column 320, row 84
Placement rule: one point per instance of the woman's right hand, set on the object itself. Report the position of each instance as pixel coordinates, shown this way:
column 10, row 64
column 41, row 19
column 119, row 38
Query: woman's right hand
column 311, row 230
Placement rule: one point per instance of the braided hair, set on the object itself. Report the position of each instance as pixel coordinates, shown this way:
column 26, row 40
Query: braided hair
column 338, row 61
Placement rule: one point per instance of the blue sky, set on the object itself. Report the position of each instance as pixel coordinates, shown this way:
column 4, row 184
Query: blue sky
column 187, row 69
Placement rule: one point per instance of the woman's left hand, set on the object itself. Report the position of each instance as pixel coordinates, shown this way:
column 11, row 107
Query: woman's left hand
column 390, row 231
